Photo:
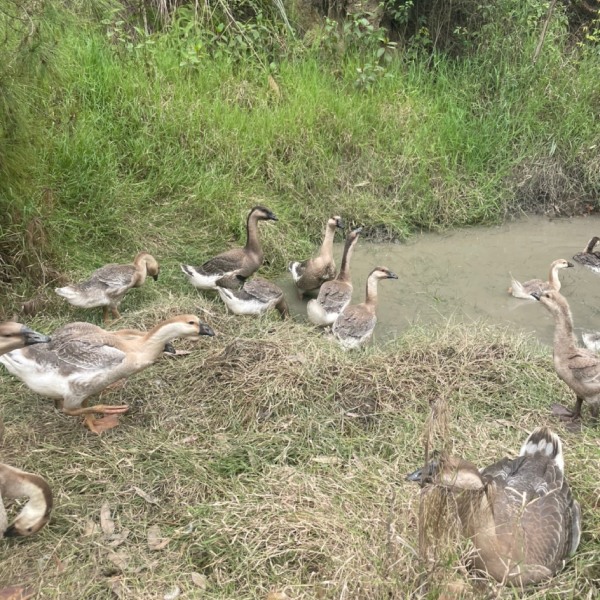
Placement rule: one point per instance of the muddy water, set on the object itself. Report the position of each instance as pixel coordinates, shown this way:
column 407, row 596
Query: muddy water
column 465, row 275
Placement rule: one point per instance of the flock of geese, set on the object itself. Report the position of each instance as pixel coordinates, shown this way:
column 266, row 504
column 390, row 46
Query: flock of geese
column 519, row 513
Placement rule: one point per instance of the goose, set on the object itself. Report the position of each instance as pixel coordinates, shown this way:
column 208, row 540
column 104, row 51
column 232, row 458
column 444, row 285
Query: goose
column 356, row 322
column 107, row 285
column 519, row 513
column 243, row 262
column 524, row 290
column 591, row 340
column 255, row 297
column 334, row 295
column 310, row 274
column 588, row 258
column 14, row 484
column 83, row 359
column 578, row 367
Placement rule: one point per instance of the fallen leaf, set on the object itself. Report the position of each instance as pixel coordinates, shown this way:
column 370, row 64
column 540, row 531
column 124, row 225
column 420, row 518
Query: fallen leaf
column 107, row 524
column 174, row 593
column 326, row 460
column 200, row 581
column 189, row 439
column 90, row 528
column 16, row 592
column 277, row 596
column 117, row 587
column 155, row 540
column 118, row 538
column 60, row 567
column 145, row 495
column 120, row 559
column 273, row 85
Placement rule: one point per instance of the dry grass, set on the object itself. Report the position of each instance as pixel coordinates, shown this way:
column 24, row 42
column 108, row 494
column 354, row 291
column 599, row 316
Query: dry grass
column 274, row 462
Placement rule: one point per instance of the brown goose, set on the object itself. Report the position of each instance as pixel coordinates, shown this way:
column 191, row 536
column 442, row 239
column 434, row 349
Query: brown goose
column 334, row 295
column 310, row 274
column 107, row 285
column 588, row 258
column 519, row 513
column 356, row 322
column 13, row 482
column 82, row 360
column 578, row 367
column 524, row 290
column 230, row 268
column 255, row 297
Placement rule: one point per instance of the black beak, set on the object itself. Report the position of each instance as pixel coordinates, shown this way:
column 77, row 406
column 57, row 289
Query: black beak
column 169, row 348
column 357, row 230
column 11, row 532
column 536, row 295
column 392, row 275
column 272, row 217
column 415, row 476
column 570, row 264
column 339, row 224
column 204, row 329
column 155, row 277
column 33, row 337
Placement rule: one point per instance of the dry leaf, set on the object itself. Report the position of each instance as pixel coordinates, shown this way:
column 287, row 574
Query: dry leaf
column 147, row 497
column 273, row 85
column 117, row 539
column 174, row 593
column 189, row 439
column 107, row 524
column 326, row 460
column 277, row 596
column 90, row 528
column 200, row 581
column 16, row 592
column 120, row 559
column 117, row 587
column 155, row 540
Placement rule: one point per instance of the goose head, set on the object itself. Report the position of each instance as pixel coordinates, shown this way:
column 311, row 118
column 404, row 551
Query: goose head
column 36, row 512
column 354, row 233
column 152, row 268
column 561, row 263
column 554, row 301
column 14, row 335
column 448, row 471
column 335, row 223
column 263, row 214
column 383, row 273
column 190, row 326
column 591, row 244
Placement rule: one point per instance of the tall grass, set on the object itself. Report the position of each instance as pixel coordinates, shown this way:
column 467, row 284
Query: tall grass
column 162, row 141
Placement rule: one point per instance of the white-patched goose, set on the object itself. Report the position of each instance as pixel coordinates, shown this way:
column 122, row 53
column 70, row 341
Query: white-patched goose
column 524, row 290
column 519, row 513
column 334, row 295
column 255, row 297
column 82, row 360
column 588, row 258
column 107, row 285
column 309, row 275
column 228, row 268
column 355, row 325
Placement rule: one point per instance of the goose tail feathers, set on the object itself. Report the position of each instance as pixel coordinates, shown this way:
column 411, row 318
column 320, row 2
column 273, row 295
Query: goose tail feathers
column 543, row 441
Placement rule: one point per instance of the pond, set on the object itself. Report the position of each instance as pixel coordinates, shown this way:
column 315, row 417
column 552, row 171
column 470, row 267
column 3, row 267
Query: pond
column 465, row 275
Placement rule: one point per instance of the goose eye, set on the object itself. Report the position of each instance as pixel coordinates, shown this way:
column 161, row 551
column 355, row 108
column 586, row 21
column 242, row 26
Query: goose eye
column 191, row 323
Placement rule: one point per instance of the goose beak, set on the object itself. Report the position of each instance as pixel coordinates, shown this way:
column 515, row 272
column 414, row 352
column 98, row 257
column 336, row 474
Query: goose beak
column 155, row 277
column 415, row 476
column 33, row 337
column 339, row 223
column 423, row 475
column 570, row 264
column 357, row 230
column 204, row 329
column 169, row 348
column 272, row 217
column 392, row 275
column 536, row 295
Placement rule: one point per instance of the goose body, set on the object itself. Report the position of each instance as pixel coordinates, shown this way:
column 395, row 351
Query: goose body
column 578, row 367
column 334, row 296
column 519, row 513
column 107, row 285
column 309, row 275
column 15, row 483
column 255, row 297
column 82, row 360
column 588, row 258
column 355, row 325
column 228, row 268
column 524, row 290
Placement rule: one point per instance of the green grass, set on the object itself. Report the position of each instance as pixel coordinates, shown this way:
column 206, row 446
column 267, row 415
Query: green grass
column 275, row 462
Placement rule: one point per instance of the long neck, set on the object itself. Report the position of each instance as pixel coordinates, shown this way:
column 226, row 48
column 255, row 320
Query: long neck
column 591, row 245
column 474, row 510
column 141, row 266
column 553, row 277
column 15, row 483
column 152, row 344
column 371, row 299
column 252, row 241
column 563, row 328
column 327, row 245
column 344, row 274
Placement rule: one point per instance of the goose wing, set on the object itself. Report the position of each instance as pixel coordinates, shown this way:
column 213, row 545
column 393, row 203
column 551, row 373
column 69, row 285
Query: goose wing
column 585, row 365
column 227, row 262
column 262, row 289
column 334, row 298
column 354, row 322
column 114, row 276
